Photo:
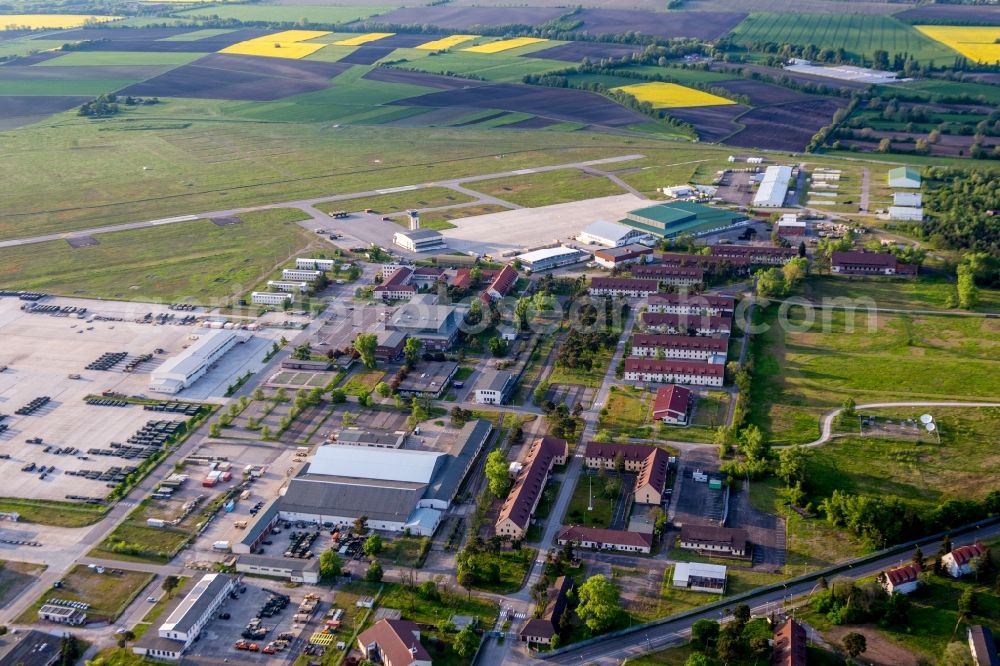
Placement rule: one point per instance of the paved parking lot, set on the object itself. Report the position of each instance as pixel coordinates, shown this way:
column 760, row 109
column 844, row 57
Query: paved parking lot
column 693, row 502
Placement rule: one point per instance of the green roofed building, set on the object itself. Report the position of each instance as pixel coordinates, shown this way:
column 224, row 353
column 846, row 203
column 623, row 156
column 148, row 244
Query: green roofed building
column 682, row 218
column 904, row 177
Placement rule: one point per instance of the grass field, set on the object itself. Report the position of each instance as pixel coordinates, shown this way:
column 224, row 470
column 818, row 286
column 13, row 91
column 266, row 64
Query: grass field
column 501, row 45
column 151, row 544
column 925, row 293
column 989, row 93
column 288, row 44
column 23, row 46
column 119, row 58
column 189, row 259
column 860, row 35
column 320, row 14
column 398, row 202
column 627, row 412
column 922, row 472
column 195, row 35
column 801, row 374
column 547, row 188
column 50, row 87
column 362, row 382
column 56, row 514
column 440, row 220
column 107, row 594
column 590, row 488
column 672, row 96
column 50, row 21
column 977, row 43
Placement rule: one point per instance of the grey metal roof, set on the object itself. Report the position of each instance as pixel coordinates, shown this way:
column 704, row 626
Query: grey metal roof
column 292, row 564
column 261, row 522
column 468, row 444
column 421, row 234
column 197, row 601
column 371, row 437
column 350, row 498
column 611, row 231
column 31, row 648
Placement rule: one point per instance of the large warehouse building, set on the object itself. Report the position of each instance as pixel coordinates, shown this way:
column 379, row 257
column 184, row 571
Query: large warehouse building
column 774, row 188
column 397, row 489
column 676, row 218
column 183, row 370
column 609, row 234
column 553, row 257
column 419, row 240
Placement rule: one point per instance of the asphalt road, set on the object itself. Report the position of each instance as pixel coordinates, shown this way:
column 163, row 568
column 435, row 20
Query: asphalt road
column 308, row 205
column 615, row 650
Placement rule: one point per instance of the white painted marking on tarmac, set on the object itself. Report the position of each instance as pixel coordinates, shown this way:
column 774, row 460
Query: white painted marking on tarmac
column 169, row 220
column 405, row 188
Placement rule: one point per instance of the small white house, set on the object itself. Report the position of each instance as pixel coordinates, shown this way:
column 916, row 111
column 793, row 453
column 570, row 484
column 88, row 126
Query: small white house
column 959, row 562
column 902, row 579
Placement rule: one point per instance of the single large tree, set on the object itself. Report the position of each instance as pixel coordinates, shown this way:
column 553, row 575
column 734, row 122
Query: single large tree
column 599, row 607
column 412, row 350
column 330, row 564
column 365, row 344
column 497, row 473
column 855, row 644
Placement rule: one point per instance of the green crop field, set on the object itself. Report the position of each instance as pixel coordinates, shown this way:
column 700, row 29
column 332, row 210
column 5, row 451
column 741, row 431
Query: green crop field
column 50, row 87
column 119, row 58
column 490, row 66
column 859, row 35
column 990, row 94
column 23, row 47
column 195, row 35
column 925, row 293
column 195, row 259
column 286, row 13
column 549, row 187
column 800, row 374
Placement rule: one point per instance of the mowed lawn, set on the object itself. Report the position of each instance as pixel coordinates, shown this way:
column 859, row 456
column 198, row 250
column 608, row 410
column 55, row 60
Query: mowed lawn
column 925, row 293
column 922, row 472
column 108, row 594
column 397, row 202
column 546, row 188
column 800, row 374
column 197, row 260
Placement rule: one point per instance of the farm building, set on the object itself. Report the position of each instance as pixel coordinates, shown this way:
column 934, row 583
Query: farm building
column 959, row 562
column 676, row 218
column 515, row 514
column 673, row 276
column 610, row 234
column 393, row 643
column 674, row 372
column 906, row 213
column 691, row 304
column 869, row 263
column 711, row 540
column 597, row 538
column 982, row 646
column 700, row 577
column 679, row 324
column 790, row 644
column 419, row 240
column 601, row 286
column 902, row 579
column 915, row 199
column 616, row 257
column 672, row 405
column 184, row 624
column 183, row 370
column 270, row 297
column 648, row 462
column 685, row 347
column 904, row 176
column 543, row 629
column 773, row 188
column 757, row 254
column 553, row 257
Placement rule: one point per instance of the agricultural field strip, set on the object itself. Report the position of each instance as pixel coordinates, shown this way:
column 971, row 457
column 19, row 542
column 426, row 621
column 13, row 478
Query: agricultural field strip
column 288, row 44
column 977, row 43
column 51, row 21
column 672, row 96
column 311, row 202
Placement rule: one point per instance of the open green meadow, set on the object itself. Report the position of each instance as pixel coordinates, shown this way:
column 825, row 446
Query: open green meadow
column 57, row 88
column 989, row 94
column 196, row 259
column 318, row 14
column 397, row 202
column 440, row 220
column 858, row 34
column 925, row 293
column 22, row 46
column 801, row 374
column 108, row 594
column 505, row 67
column 548, row 187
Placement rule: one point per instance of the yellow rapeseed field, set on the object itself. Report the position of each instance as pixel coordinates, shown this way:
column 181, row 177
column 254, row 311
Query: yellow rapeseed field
column 49, row 21
column 504, row 45
column 672, row 96
column 287, row 44
column 977, row 43
column 446, row 42
column 364, row 39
